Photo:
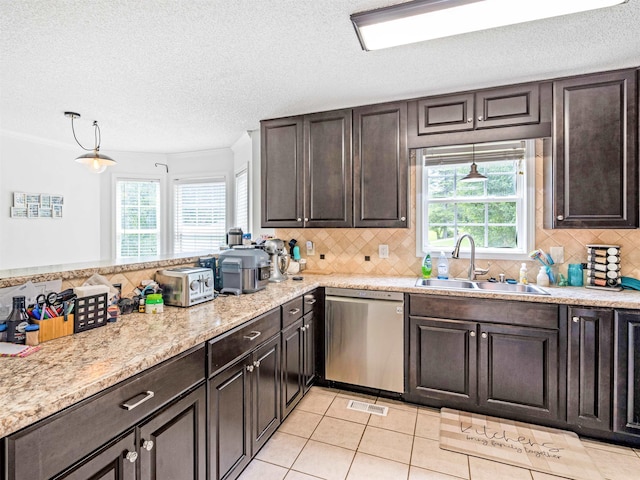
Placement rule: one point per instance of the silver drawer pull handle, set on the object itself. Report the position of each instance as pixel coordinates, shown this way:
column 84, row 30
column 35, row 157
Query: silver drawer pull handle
column 131, row 456
column 254, row 334
column 311, row 301
column 293, row 311
column 130, row 406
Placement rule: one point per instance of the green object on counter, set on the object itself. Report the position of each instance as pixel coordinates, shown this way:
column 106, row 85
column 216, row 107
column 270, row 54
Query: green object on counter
column 154, row 298
column 563, row 282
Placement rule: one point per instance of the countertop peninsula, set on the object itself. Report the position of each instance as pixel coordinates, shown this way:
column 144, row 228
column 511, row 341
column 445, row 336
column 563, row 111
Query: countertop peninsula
column 69, row 369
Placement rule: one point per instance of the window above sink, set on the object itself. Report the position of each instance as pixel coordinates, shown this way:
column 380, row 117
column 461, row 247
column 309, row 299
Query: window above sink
column 499, row 212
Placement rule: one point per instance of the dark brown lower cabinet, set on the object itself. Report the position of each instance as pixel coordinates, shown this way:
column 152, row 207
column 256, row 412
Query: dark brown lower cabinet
column 443, row 361
column 627, row 374
column 173, row 442
column 308, row 351
column 491, row 367
column 517, row 370
column 244, row 409
column 298, row 361
column 590, row 368
column 116, row 461
column 292, row 387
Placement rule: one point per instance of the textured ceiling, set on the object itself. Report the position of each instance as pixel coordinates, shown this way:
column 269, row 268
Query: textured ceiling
column 185, row 75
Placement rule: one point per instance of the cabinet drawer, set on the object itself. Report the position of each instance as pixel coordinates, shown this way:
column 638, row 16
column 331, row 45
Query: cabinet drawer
column 57, row 442
column 292, row 311
column 530, row 314
column 310, row 302
column 223, row 350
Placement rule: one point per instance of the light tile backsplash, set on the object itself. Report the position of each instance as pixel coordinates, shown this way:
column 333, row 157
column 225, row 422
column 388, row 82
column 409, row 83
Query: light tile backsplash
column 345, row 249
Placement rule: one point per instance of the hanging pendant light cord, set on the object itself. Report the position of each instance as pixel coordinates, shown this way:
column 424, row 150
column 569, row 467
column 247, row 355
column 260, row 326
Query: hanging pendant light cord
column 96, row 135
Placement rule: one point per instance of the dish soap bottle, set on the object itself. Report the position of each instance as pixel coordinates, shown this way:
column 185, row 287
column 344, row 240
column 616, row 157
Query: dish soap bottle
column 523, row 275
column 542, row 279
column 443, row 267
column 426, row 266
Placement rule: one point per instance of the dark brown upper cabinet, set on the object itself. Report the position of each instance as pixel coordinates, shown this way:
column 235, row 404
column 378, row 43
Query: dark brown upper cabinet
column 591, row 175
column 306, row 171
column 327, row 170
column 380, row 166
column 502, row 113
column 337, row 169
column 282, row 185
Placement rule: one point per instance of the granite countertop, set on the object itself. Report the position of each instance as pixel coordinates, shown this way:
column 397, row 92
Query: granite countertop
column 69, row 369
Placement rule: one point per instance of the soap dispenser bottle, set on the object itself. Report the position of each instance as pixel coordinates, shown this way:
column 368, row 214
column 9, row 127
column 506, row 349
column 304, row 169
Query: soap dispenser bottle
column 523, row 275
column 443, row 267
column 542, row 279
column 426, row 266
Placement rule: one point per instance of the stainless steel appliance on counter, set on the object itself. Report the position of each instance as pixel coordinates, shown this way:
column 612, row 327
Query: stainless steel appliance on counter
column 364, row 332
column 244, row 269
column 186, row 286
column 279, row 259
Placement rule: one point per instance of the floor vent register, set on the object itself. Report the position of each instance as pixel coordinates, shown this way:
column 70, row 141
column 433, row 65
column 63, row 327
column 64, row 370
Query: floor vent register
column 367, row 408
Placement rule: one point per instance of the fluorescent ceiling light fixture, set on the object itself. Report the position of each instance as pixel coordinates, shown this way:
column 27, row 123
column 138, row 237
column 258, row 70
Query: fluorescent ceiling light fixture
column 421, row 20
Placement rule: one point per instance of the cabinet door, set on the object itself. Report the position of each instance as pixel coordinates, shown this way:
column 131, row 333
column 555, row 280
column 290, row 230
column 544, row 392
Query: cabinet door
column 595, row 172
column 506, row 106
column 229, row 420
column 327, row 171
column 308, row 351
column 292, row 386
column 627, row 375
column 381, row 166
column 282, row 151
column 518, row 370
column 172, row 443
column 442, row 361
column 116, row 461
column 590, row 368
column 450, row 113
column 265, row 392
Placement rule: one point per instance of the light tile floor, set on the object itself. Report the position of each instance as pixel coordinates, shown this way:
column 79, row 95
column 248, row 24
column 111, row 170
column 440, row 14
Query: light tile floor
column 322, row 439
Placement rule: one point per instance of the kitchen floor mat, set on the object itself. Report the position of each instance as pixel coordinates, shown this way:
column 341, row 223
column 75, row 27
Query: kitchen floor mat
column 548, row 450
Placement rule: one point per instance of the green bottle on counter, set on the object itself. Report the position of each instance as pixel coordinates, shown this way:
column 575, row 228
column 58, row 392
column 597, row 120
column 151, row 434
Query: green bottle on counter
column 426, row 266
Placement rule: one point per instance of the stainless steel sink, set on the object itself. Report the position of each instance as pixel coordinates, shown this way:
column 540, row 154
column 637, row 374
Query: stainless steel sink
column 455, row 284
column 511, row 288
column 439, row 283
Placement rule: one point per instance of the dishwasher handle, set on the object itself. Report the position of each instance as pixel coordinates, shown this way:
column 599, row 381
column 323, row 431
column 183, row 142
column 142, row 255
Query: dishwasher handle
column 365, row 301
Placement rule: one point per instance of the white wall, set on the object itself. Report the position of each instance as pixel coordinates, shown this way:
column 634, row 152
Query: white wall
column 86, row 231
column 31, row 165
column 255, row 186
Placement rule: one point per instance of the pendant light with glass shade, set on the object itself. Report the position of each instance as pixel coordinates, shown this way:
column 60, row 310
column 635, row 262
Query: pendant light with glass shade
column 474, row 175
column 95, row 161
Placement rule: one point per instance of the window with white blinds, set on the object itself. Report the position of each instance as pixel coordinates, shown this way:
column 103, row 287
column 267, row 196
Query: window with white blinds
column 242, row 200
column 137, row 217
column 199, row 215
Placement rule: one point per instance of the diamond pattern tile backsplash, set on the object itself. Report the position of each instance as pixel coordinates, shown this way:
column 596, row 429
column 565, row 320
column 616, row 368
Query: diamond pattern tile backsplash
column 345, row 249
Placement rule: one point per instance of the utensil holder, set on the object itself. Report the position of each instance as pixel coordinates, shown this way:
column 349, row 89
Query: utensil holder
column 55, row 327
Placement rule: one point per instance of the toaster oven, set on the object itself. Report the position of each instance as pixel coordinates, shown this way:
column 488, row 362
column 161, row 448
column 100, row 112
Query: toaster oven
column 186, row 286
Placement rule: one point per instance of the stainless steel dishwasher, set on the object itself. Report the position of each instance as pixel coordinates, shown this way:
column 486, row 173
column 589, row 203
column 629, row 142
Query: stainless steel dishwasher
column 364, row 338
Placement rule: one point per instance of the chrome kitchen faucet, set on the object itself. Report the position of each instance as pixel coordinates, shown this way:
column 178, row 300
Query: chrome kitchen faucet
column 473, row 271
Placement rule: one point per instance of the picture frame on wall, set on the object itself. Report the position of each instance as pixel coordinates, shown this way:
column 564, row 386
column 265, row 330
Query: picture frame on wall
column 45, row 201
column 33, row 210
column 18, row 212
column 33, row 198
column 45, row 213
column 57, row 200
column 57, row 211
column 19, row 199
